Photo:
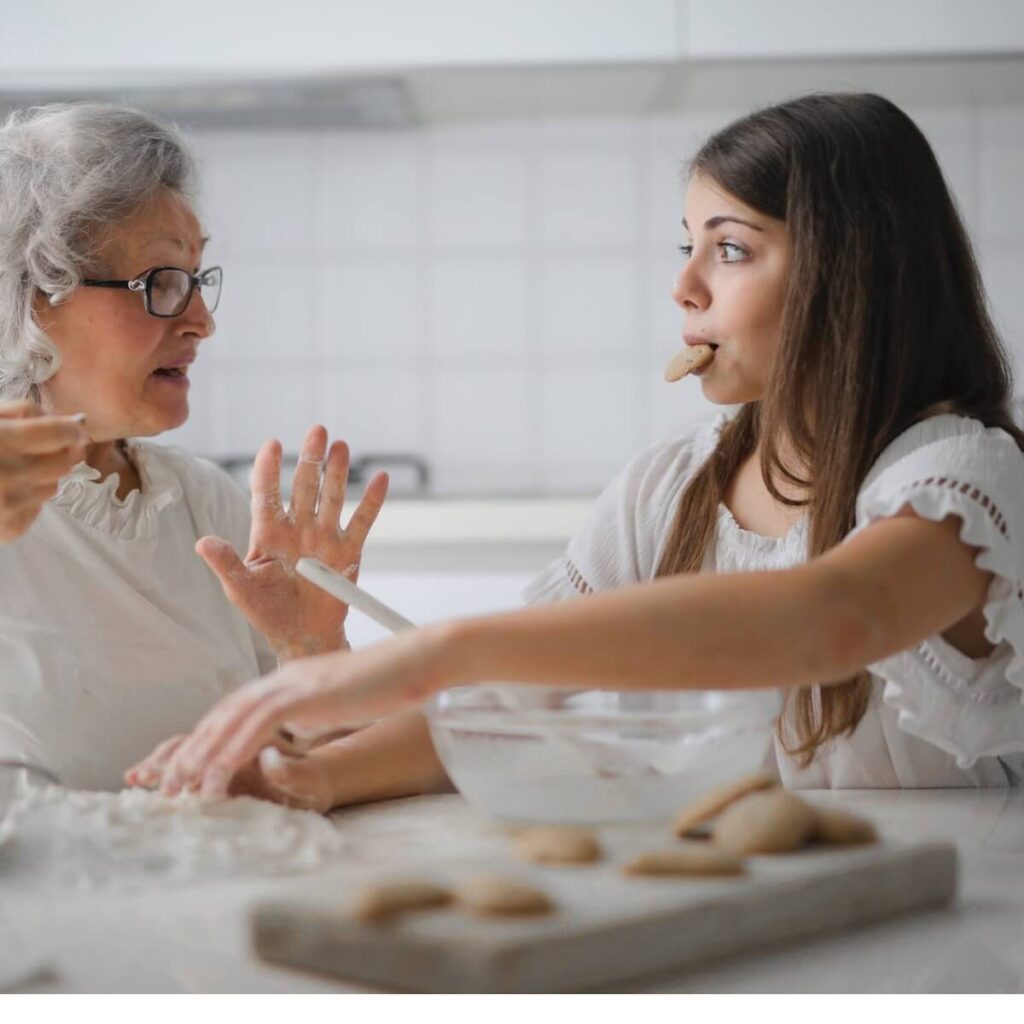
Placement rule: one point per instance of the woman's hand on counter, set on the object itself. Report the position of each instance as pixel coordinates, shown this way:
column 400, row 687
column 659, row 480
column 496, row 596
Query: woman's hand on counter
column 36, row 450
column 298, row 618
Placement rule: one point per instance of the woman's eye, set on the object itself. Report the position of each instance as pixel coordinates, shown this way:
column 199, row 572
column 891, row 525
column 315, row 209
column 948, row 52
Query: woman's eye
column 731, row 252
column 686, row 250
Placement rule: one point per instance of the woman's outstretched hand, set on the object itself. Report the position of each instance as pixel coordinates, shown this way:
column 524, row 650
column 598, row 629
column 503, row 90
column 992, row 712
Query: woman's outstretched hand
column 310, row 696
column 297, row 617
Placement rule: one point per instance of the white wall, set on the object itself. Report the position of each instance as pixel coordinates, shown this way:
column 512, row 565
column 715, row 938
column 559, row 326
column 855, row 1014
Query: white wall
column 494, row 297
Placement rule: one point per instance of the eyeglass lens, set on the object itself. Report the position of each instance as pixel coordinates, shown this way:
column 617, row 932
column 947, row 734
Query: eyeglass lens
column 170, row 290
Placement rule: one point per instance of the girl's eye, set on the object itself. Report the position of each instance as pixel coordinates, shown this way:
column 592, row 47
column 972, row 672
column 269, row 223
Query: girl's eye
column 686, row 250
column 731, row 252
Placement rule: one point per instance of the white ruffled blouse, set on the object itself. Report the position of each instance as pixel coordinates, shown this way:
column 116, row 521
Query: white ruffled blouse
column 937, row 718
column 114, row 634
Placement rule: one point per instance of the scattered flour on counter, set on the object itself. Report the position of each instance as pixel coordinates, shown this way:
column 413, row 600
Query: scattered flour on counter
column 80, row 840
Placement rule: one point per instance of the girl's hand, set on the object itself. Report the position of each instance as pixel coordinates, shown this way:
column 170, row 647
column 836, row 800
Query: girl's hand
column 281, row 773
column 310, row 695
column 35, row 452
column 297, row 617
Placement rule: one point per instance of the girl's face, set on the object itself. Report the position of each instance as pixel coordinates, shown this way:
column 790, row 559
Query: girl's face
column 127, row 370
column 731, row 288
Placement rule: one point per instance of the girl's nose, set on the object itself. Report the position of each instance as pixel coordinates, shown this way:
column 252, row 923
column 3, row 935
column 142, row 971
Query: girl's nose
column 688, row 290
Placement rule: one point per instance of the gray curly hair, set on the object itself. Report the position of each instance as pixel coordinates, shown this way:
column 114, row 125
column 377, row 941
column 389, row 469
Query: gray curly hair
column 67, row 171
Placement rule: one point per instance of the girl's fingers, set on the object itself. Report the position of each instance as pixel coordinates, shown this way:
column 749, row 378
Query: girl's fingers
column 148, row 771
column 187, row 765
column 332, row 494
column 266, row 484
column 369, row 508
column 306, row 484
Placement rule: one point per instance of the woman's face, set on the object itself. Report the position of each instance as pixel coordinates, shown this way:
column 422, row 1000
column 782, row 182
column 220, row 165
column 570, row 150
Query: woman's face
column 731, row 288
column 127, row 370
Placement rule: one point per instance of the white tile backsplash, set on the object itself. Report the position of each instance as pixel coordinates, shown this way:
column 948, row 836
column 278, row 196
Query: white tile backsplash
column 494, row 297
column 369, row 191
column 589, row 194
column 268, row 318
column 588, row 306
column 376, row 410
column 257, row 193
column 479, row 198
column 367, row 307
column 484, row 417
column 589, row 426
column 260, row 403
column 479, row 306
column 1001, row 139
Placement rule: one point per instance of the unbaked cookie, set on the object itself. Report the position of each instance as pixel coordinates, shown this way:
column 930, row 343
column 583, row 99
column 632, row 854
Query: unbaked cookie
column 686, row 859
column 715, row 801
column 494, row 896
column 839, row 828
column 775, row 821
column 553, row 844
column 384, row 901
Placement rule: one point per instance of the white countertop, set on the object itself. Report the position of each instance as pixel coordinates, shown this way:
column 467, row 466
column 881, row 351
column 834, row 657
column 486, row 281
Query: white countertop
column 477, row 520
column 196, row 939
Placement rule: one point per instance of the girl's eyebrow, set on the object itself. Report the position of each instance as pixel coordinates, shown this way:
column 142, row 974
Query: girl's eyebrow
column 722, row 218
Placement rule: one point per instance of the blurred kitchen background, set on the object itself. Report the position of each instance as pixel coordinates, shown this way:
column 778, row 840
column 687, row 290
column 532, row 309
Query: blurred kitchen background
column 448, row 227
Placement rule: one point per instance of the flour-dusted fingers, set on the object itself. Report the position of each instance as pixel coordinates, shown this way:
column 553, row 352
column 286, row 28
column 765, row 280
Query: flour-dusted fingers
column 306, row 482
column 335, row 484
column 367, row 510
column 266, row 484
column 150, row 769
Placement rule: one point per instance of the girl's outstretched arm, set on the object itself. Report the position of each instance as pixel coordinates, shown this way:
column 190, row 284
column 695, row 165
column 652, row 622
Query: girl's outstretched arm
column 895, row 583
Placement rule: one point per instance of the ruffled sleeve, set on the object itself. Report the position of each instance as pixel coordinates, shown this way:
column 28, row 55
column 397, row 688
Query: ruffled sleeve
column 624, row 535
column 954, row 466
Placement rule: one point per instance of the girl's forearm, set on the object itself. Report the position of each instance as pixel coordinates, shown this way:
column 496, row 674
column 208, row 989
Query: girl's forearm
column 393, row 758
column 749, row 630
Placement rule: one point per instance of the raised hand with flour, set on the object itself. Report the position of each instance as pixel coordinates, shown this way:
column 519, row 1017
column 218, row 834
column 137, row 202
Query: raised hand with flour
column 297, row 617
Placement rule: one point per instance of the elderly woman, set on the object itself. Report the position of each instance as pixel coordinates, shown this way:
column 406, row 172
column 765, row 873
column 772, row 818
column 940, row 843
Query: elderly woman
column 114, row 634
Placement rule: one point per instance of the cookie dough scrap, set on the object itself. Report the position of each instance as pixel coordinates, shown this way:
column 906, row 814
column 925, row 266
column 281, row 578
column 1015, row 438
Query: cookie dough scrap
column 693, row 357
column 495, row 896
column 773, row 821
column 716, row 801
column 553, row 844
column 384, row 901
column 689, row 858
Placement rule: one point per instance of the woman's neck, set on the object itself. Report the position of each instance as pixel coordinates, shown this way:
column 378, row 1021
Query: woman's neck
column 109, row 457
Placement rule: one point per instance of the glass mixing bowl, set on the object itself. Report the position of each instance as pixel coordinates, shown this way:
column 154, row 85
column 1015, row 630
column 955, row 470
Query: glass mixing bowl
column 544, row 754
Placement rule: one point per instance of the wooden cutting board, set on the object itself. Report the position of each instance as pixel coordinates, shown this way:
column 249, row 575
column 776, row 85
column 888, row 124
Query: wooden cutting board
column 608, row 927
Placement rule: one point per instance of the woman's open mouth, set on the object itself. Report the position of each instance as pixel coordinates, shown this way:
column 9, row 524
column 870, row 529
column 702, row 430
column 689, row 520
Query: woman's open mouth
column 177, row 375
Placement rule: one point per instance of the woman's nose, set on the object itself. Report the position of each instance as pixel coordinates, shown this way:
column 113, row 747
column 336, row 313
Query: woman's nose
column 197, row 319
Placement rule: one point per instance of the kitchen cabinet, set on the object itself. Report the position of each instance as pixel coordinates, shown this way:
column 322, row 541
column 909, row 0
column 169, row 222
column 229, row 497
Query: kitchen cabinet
column 50, row 42
column 797, row 29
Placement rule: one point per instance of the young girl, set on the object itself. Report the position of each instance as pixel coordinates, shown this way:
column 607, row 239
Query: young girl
column 852, row 534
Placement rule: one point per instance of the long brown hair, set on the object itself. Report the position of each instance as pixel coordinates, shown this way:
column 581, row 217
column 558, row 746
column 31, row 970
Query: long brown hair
column 884, row 323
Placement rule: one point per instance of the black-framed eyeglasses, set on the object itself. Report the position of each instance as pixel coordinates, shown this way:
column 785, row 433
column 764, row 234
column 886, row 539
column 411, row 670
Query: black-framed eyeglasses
column 167, row 290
